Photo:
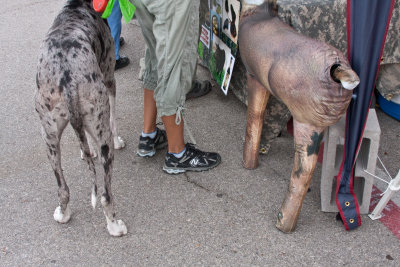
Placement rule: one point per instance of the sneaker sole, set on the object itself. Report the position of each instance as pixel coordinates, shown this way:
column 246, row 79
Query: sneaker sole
column 145, row 154
column 172, row 170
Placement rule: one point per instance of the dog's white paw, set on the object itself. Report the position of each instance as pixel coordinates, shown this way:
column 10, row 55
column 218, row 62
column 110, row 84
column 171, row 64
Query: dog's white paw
column 118, row 142
column 62, row 217
column 117, row 228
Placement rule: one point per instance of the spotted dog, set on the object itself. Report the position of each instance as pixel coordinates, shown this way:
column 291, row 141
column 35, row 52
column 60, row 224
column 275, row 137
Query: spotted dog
column 75, row 83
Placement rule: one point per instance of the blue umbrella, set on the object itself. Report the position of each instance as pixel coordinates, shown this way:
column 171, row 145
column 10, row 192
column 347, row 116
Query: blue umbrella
column 367, row 25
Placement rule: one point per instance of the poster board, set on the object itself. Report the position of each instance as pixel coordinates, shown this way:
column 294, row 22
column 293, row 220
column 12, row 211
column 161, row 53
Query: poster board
column 218, row 40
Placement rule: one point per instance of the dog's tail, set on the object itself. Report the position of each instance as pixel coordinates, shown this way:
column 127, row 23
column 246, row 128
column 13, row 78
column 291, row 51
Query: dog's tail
column 71, row 91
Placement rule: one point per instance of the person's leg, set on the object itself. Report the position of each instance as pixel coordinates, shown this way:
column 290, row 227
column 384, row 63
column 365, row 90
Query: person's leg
column 151, row 138
column 176, row 143
column 149, row 112
column 114, row 22
column 174, row 131
column 170, row 64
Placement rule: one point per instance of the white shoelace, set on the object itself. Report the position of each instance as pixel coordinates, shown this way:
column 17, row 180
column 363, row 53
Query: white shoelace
column 178, row 120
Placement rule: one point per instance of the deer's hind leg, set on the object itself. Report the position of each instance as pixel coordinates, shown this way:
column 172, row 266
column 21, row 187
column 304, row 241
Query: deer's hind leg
column 257, row 101
column 307, row 140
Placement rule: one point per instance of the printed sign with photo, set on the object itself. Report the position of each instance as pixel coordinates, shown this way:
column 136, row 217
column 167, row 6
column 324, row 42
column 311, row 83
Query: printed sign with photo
column 219, row 50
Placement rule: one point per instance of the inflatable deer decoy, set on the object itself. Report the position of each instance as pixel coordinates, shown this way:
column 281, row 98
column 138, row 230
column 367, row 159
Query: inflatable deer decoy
column 312, row 78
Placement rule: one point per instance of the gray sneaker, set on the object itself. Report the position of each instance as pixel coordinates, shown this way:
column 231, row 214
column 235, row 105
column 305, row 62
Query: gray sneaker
column 192, row 160
column 147, row 146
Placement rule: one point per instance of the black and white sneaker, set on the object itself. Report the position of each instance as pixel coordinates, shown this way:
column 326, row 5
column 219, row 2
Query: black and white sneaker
column 192, row 160
column 147, row 146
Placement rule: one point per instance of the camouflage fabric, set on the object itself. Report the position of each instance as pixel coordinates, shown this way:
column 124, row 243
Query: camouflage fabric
column 324, row 20
column 388, row 81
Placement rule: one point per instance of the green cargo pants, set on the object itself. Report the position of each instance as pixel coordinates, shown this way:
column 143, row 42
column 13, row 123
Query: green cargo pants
column 170, row 29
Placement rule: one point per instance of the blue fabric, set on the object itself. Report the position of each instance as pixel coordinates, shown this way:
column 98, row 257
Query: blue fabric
column 368, row 21
column 114, row 21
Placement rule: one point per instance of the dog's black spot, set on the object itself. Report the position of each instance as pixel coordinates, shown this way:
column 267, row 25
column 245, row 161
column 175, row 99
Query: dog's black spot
column 104, row 151
column 85, row 50
column 68, row 44
column 59, row 54
column 54, row 43
column 94, row 76
column 102, row 46
column 51, row 90
column 91, row 110
column 58, row 178
column 93, row 48
column 98, row 126
column 107, row 161
column 87, row 76
column 48, row 106
column 65, row 80
column 37, row 81
column 63, row 115
column 100, row 115
column 74, row 55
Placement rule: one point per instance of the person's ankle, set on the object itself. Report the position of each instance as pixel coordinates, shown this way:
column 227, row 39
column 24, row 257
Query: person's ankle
column 179, row 154
column 152, row 135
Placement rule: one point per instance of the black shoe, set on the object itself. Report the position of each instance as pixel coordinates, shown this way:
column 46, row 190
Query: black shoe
column 147, row 146
column 121, row 41
column 199, row 89
column 121, row 62
column 192, row 160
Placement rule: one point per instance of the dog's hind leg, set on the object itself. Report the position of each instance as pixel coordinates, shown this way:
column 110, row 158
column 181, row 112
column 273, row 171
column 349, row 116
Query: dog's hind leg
column 51, row 132
column 92, row 147
column 97, row 124
column 86, row 153
column 118, row 141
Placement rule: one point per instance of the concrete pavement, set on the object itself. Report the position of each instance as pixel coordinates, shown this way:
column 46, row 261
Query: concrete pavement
column 222, row 217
